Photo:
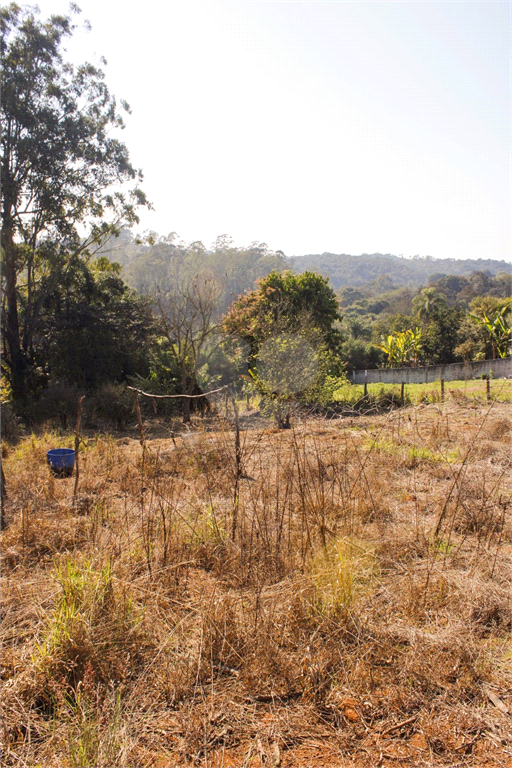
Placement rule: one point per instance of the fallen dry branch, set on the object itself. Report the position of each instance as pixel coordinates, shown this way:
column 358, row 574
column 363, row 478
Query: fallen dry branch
column 175, row 397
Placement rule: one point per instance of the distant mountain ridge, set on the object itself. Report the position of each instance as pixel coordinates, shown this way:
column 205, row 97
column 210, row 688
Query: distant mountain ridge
column 344, row 269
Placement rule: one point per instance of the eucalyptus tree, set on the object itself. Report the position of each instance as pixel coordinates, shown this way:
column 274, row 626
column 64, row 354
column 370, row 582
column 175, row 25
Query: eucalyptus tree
column 63, row 167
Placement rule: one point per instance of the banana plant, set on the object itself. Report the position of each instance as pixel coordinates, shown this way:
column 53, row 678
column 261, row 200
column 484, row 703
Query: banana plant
column 402, row 348
column 498, row 327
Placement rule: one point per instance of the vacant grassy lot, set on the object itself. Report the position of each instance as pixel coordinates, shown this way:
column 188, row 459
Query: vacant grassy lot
column 337, row 594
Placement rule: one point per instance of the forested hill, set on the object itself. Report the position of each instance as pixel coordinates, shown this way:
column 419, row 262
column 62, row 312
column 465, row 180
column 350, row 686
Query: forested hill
column 159, row 261
column 344, row 269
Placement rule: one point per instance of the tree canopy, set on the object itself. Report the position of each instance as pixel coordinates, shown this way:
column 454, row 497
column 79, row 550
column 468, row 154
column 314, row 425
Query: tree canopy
column 91, row 328
column 152, row 262
column 60, row 160
column 284, row 302
column 350, row 270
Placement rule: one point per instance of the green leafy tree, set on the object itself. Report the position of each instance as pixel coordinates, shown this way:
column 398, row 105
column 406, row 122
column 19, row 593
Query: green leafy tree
column 358, row 354
column 291, row 326
column 440, row 326
column 91, row 328
column 60, row 160
column 428, row 303
column 287, row 303
column 357, row 351
column 441, row 336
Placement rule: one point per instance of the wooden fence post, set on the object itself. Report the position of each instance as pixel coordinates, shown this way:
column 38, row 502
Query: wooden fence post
column 77, row 446
column 442, row 390
column 139, row 422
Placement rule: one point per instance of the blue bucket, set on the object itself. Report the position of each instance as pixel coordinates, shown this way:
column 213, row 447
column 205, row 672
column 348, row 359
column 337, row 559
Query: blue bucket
column 61, row 461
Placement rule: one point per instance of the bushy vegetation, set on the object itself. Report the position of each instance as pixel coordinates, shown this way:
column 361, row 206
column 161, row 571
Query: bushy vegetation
column 194, row 318
column 427, row 326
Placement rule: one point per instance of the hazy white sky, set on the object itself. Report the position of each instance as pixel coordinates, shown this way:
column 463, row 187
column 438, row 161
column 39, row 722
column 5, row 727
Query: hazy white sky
column 347, row 126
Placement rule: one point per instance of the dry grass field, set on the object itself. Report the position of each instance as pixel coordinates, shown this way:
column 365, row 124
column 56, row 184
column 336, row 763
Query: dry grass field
column 336, row 594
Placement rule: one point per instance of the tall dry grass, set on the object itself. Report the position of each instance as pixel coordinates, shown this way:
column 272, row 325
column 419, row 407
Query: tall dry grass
column 333, row 594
